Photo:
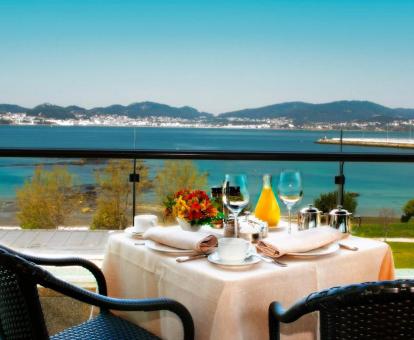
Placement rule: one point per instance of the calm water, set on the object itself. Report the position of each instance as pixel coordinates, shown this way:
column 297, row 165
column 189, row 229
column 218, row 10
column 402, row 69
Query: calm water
column 379, row 185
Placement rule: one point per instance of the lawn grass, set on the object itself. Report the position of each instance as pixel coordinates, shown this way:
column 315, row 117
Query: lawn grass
column 373, row 228
column 403, row 254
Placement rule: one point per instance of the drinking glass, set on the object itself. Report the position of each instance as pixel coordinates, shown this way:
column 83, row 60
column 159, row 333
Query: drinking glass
column 235, row 196
column 290, row 191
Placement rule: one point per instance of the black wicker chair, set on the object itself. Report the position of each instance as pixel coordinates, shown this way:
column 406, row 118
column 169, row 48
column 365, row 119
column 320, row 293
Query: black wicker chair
column 372, row 310
column 21, row 315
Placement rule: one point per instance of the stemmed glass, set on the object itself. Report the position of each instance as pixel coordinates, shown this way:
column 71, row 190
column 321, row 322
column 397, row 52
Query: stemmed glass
column 290, row 190
column 235, row 196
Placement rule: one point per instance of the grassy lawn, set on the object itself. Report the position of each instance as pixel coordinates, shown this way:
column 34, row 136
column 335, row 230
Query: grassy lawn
column 371, row 227
column 403, row 251
column 403, row 254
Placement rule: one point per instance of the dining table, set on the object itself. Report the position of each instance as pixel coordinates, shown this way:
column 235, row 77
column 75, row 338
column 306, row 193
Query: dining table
column 231, row 302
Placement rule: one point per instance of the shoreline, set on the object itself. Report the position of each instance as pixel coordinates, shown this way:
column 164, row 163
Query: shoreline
column 207, row 126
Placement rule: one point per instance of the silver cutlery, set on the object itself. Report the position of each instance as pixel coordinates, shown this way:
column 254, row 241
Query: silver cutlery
column 346, row 246
column 139, row 243
column 270, row 260
column 181, row 259
column 282, row 264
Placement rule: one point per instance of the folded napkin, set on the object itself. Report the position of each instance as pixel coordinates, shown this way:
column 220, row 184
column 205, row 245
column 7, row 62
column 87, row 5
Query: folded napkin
column 300, row 242
column 181, row 239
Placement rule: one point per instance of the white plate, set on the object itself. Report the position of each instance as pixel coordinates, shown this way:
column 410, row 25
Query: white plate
column 325, row 250
column 131, row 231
column 166, row 249
column 214, row 258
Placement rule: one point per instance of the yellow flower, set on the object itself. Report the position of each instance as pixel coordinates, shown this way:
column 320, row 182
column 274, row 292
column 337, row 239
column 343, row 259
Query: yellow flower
column 180, row 208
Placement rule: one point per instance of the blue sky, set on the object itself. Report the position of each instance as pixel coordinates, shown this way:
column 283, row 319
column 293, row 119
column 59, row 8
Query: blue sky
column 214, row 55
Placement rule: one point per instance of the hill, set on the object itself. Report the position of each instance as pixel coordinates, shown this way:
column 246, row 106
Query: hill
column 146, row 109
column 12, row 108
column 134, row 110
column 339, row 111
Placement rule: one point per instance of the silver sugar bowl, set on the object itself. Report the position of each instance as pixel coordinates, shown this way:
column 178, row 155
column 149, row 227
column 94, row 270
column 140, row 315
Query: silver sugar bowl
column 340, row 219
column 308, row 218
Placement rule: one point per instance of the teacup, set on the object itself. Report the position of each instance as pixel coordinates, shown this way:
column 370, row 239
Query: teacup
column 232, row 249
column 143, row 222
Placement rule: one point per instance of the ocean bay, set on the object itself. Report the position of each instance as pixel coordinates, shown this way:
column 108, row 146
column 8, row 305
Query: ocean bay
column 378, row 184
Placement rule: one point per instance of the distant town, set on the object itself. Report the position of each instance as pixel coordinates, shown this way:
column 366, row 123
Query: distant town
column 231, row 122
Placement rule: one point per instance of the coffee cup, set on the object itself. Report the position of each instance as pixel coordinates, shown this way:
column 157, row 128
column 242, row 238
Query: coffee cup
column 143, row 222
column 232, row 249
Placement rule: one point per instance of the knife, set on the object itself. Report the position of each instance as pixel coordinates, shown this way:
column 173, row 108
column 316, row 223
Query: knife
column 190, row 257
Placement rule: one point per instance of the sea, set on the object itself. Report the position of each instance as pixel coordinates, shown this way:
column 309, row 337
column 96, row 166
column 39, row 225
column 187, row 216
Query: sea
column 379, row 185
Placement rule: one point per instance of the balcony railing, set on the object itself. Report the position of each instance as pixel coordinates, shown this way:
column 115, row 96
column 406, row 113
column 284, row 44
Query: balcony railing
column 201, row 155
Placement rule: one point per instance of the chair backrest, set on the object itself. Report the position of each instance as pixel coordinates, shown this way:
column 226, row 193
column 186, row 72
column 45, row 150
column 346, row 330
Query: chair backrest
column 21, row 315
column 376, row 310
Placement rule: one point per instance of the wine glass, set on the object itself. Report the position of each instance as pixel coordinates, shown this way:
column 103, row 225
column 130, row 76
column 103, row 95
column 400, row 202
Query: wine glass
column 290, row 191
column 235, row 196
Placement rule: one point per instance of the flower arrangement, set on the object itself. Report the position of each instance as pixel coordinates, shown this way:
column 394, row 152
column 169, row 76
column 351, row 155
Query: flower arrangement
column 193, row 206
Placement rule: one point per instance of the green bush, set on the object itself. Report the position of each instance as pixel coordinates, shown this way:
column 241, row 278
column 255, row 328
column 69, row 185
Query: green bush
column 47, row 199
column 408, row 211
column 114, row 194
column 328, row 201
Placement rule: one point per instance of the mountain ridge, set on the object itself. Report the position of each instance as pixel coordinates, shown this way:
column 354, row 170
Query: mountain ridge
column 337, row 111
column 298, row 111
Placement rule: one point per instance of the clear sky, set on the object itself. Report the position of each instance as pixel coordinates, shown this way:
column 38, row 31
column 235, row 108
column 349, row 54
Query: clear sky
column 214, row 55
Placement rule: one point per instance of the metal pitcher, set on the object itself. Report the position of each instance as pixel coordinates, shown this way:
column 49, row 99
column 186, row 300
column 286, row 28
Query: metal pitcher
column 309, row 217
column 340, row 219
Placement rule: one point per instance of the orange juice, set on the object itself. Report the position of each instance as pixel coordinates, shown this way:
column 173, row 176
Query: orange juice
column 267, row 208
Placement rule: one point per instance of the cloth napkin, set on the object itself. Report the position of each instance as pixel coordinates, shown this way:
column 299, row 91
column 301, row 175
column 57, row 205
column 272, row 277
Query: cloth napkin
column 300, row 242
column 182, row 239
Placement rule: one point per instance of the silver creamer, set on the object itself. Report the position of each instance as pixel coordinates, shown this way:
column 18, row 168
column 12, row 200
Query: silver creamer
column 308, row 218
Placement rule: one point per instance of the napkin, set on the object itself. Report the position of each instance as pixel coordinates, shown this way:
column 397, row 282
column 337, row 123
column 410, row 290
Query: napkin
column 299, row 242
column 182, row 239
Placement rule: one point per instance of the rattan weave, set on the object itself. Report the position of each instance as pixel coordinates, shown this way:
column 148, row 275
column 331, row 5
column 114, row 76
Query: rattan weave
column 372, row 310
column 14, row 312
column 105, row 327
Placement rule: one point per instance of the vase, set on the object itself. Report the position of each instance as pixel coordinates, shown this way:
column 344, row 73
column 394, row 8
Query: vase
column 187, row 226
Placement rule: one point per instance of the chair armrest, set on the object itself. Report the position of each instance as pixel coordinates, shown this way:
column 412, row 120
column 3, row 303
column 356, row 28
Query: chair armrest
column 65, row 262
column 104, row 302
column 278, row 314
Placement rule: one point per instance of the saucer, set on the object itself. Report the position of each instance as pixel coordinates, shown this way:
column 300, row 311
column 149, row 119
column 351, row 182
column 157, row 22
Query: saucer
column 249, row 260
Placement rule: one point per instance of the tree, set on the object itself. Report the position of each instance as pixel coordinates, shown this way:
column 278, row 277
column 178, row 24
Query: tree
column 408, row 211
column 386, row 215
column 328, row 201
column 114, row 193
column 47, row 199
column 177, row 175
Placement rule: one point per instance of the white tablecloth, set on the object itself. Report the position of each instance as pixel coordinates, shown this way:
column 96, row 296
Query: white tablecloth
column 233, row 304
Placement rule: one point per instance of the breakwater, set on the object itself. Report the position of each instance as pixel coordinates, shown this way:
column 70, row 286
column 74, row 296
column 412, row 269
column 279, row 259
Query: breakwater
column 379, row 142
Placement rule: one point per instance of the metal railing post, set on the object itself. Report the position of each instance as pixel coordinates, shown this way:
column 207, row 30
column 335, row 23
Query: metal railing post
column 340, row 179
column 134, row 178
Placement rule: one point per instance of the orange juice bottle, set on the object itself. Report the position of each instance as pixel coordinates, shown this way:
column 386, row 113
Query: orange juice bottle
column 267, row 208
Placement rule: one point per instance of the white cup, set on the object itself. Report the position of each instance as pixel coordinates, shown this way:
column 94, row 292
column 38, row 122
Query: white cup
column 232, row 249
column 145, row 221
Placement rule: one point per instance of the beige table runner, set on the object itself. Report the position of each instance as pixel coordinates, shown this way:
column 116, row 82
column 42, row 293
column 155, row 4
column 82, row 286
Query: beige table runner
column 232, row 304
